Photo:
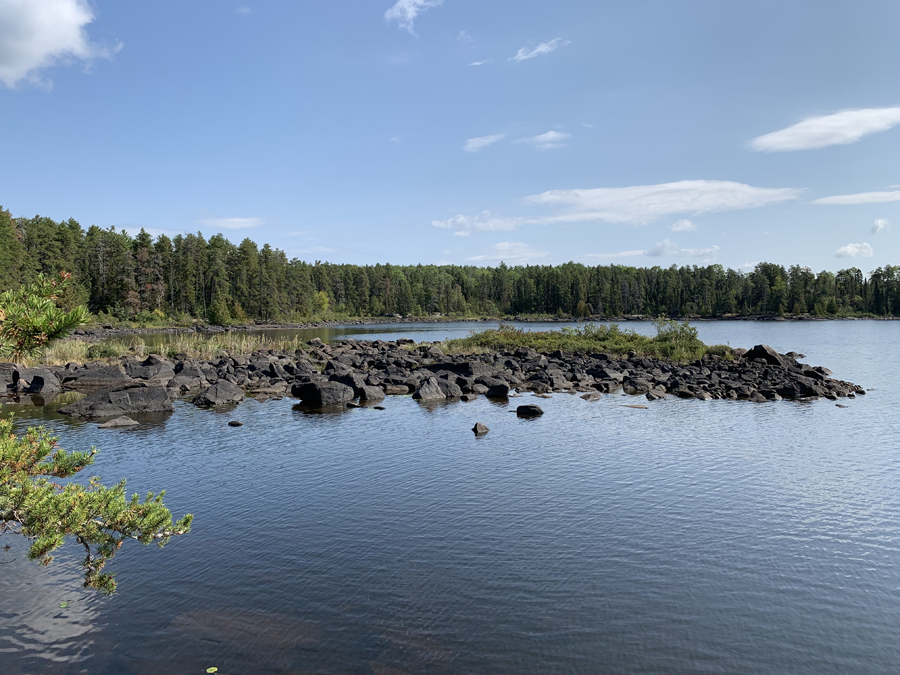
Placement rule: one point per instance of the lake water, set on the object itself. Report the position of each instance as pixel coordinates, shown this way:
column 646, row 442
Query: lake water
column 692, row 537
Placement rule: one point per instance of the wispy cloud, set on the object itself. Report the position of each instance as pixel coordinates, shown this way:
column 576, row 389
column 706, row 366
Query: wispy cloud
column 244, row 10
column 515, row 252
column 664, row 248
column 548, row 141
column 840, row 128
column 862, row 250
column 880, row 225
column 620, row 254
column 231, row 223
column 643, row 204
column 683, row 225
column 544, row 48
column 861, row 198
column 38, row 34
column 481, row 142
column 669, row 248
column 404, row 12
column 480, row 63
column 483, row 222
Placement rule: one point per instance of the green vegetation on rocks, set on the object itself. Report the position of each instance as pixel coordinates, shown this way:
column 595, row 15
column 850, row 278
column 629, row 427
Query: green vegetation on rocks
column 673, row 341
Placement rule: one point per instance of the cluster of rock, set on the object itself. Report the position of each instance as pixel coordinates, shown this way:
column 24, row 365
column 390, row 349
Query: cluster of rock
column 337, row 374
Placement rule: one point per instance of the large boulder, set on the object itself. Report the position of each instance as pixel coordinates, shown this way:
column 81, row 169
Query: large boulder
column 36, row 381
column 636, row 385
column 529, row 410
column 370, row 393
column 323, row 393
column 221, row 393
column 767, row 354
column 450, row 389
column 188, row 376
column 153, row 369
column 429, row 390
column 127, row 399
column 95, row 376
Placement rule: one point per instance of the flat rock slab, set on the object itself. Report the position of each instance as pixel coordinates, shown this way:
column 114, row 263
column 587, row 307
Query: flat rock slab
column 118, row 423
column 126, row 400
column 220, row 393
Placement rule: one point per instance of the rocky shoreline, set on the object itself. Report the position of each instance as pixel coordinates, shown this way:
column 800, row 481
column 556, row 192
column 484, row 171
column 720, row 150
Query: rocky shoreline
column 351, row 373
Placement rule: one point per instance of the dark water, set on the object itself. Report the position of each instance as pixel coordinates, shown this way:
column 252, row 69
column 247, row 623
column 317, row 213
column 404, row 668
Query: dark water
column 692, row 537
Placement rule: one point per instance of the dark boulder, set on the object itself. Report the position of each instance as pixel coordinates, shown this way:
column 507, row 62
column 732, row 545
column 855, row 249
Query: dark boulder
column 369, row 393
column 36, row 381
column 95, row 376
column 529, row 410
column 450, row 389
column 767, row 354
column 636, row 385
column 154, row 369
column 220, row 393
column 480, row 429
column 429, row 390
column 127, row 399
column 323, row 393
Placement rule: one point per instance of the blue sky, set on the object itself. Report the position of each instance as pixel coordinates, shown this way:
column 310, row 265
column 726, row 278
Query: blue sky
column 463, row 131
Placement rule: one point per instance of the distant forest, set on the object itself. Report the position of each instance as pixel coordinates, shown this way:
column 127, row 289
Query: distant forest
column 137, row 278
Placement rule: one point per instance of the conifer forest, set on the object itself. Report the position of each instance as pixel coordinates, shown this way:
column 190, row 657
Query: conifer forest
column 139, row 278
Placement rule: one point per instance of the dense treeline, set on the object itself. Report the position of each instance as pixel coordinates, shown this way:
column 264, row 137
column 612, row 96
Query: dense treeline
column 139, row 278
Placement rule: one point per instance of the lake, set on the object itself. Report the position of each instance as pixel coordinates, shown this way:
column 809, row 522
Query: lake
column 691, row 537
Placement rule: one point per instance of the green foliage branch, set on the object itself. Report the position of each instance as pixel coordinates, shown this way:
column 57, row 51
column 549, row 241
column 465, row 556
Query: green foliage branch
column 46, row 512
column 31, row 318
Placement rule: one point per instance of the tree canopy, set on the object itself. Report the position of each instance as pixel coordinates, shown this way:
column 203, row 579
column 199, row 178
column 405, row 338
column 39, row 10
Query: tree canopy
column 139, row 278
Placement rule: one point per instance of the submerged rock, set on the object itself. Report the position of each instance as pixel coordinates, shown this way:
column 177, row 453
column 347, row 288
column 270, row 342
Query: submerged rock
column 323, row 393
column 480, row 429
column 118, row 422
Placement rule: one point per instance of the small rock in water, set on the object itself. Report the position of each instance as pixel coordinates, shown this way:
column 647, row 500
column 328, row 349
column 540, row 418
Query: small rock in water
column 637, row 407
column 542, row 395
column 595, row 396
column 840, row 405
column 235, row 423
column 353, row 405
column 378, row 407
column 480, row 429
column 468, row 397
column 530, row 410
column 118, row 422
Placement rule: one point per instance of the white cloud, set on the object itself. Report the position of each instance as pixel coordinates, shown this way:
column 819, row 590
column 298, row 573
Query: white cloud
column 244, row 10
column 840, row 128
column 620, row 254
column 395, row 139
column 231, row 223
column 38, row 34
column 481, row 142
column 667, row 247
column 404, row 12
column 544, row 48
column 683, row 225
column 749, row 267
column 480, row 63
column 515, row 252
column 662, row 248
column 880, row 225
column 862, row 250
column 483, row 222
column 642, row 204
column 549, row 141
column 861, row 198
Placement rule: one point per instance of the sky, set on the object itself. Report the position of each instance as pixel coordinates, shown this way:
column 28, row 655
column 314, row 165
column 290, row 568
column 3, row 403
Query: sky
column 465, row 131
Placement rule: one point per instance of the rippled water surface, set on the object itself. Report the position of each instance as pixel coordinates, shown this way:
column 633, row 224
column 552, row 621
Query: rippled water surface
column 691, row 537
